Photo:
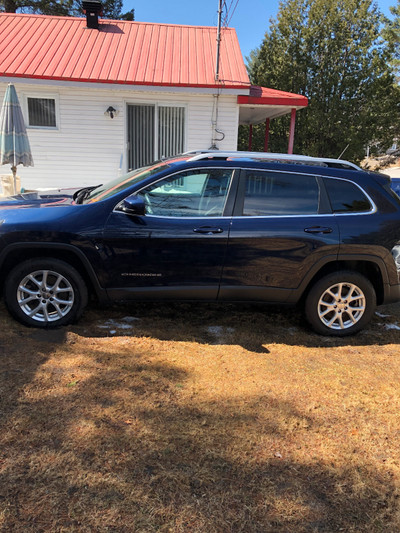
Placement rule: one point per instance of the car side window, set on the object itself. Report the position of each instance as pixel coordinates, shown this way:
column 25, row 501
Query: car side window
column 193, row 193
column 345, row 197
column 280, row 194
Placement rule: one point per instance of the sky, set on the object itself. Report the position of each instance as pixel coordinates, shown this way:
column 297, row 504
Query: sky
column 250, row 19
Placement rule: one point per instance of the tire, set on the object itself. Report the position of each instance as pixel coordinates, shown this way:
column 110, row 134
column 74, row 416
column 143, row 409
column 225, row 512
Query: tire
column 45, row 293
column 340, row 304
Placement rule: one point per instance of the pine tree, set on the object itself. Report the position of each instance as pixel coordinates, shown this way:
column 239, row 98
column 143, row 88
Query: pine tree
column 112, row 9
column 332, row 52
column 392, row 34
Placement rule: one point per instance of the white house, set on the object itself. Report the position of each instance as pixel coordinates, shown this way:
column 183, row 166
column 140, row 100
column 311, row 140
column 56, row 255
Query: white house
column 101, row 98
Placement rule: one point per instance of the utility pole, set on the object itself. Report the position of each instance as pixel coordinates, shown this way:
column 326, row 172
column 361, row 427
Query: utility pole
column 218, row 39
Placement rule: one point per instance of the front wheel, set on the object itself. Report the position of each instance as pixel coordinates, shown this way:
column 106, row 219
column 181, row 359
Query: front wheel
column 45, row 293
column 340, row 304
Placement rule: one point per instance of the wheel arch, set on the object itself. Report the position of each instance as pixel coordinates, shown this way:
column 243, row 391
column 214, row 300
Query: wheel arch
column 14, row 254
column 373, row 268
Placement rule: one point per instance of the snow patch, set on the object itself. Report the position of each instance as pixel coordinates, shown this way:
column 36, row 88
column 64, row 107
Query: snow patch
column 392, row 326
column 220, row 333
column 129, row 319
column 123, row 324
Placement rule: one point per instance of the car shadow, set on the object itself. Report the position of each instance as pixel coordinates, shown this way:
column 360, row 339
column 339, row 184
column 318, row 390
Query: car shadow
column 252, row 326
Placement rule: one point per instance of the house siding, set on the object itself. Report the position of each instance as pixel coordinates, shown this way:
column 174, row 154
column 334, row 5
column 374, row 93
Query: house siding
column 87, row 147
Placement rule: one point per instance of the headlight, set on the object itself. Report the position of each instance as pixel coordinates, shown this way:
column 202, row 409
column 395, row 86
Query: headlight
column 396, row 256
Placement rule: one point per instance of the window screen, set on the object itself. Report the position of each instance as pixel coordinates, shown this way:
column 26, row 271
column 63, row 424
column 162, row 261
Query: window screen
column 171, row 131
column 346, row 197
column 42, row 112
column 279, row 194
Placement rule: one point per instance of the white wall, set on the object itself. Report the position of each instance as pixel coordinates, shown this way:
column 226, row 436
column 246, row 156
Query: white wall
column 87, row 146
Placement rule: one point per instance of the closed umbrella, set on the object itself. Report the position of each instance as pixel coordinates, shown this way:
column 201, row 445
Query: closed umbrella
column 14, row 143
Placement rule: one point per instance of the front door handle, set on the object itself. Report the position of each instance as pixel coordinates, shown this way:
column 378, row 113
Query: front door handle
column 208, row 230
column 318, row 229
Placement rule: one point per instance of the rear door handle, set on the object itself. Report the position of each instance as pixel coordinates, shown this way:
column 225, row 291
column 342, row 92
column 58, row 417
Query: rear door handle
column 208, row 230
column 318, row 229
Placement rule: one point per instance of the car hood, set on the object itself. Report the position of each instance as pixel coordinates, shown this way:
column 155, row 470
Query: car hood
column 48, row 197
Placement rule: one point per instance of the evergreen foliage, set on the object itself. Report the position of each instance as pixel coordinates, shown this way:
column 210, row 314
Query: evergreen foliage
column 112, row 9
column 331, row 51
column 392, row 34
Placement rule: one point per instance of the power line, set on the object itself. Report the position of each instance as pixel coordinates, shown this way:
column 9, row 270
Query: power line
column 234, row 9
column 225, row 23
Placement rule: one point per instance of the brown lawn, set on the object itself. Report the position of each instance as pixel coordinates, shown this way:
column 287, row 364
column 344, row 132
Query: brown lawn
column 199, row 418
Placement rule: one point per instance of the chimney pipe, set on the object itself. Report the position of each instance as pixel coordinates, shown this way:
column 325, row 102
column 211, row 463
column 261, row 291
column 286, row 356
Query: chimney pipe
column 92, row 10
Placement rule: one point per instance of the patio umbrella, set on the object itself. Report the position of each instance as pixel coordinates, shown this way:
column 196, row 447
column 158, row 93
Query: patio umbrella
column 14, row 143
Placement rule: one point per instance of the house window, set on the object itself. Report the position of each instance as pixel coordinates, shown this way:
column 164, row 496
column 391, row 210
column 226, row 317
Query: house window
column 154, row 132
column 41, row 112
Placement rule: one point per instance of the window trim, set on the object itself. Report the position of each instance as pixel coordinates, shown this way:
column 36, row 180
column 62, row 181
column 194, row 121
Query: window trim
column 325, row 206
column 38, row 96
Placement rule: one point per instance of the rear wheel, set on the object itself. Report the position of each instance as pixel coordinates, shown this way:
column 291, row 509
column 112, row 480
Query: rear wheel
column 45, row 293
column 340, row 304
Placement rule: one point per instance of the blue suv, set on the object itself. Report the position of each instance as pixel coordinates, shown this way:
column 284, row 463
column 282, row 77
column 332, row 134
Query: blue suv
column 225, row 226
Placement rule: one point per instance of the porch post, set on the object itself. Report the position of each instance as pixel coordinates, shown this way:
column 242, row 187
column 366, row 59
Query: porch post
column 266, row 138
column 291, row 133
column 250, row 137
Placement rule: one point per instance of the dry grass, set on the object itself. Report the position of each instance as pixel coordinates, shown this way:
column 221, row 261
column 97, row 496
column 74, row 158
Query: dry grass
column 199, row 418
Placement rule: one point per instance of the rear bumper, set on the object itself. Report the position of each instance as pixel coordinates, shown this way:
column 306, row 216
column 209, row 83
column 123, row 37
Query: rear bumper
column 392, row 294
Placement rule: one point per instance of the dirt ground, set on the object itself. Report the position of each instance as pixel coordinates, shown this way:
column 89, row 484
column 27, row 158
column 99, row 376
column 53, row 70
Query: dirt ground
column 199, row 418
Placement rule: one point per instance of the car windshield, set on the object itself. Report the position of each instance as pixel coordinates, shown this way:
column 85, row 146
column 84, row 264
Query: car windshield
column 124, row 182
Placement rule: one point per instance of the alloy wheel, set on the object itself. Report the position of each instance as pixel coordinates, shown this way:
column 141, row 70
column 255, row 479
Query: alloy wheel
column 341, row 306
column 45, row 296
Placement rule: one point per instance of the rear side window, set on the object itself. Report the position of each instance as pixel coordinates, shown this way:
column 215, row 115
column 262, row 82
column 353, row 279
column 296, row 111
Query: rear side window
column 345, row 197
column 280, row 194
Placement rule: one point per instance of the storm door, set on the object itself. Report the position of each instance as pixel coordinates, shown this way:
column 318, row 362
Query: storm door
column 154, row 132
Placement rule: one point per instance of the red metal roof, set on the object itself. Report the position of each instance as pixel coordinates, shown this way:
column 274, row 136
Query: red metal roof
column 264, row 96
column 139, row 53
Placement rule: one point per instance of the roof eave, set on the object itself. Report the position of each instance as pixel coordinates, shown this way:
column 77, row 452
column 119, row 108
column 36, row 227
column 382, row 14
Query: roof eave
column 295, row 101
column 220, row 85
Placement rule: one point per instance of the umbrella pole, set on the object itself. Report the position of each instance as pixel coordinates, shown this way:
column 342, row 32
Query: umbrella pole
column 14, row 171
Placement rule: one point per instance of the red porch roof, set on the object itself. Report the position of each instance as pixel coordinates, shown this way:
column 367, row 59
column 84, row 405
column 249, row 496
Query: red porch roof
column 264, row 96
column 262, row 103
column 121, row 52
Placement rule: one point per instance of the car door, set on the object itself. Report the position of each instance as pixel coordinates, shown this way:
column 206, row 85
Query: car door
column 282, row 227
column 177, row 249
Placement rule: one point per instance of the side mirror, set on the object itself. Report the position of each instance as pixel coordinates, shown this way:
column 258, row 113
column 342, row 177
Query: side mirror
column 133, row 205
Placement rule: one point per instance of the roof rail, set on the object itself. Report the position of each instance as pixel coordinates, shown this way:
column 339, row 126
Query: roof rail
column 198, row 155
